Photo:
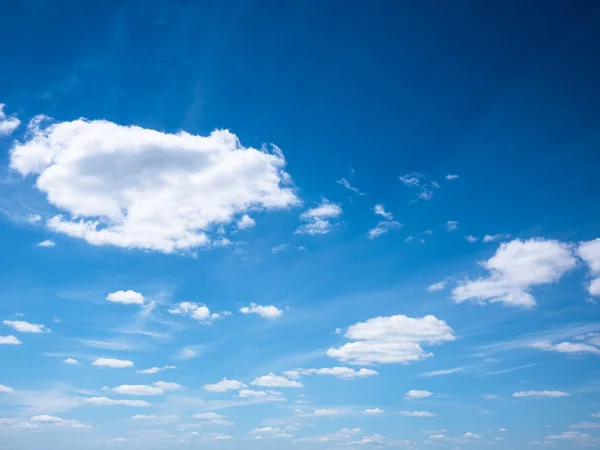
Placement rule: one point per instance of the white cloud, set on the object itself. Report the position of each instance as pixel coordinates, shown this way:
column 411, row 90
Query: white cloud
column 47, row 243
column 5, row 389
column 438, row 373
column 113, row 363
column 575, row 436
column 451, row 177
column 437, row 286
column 128, row 297
column 565, row 347
column 47, row 419
column 470, row 435
column 382, row 228
column 272, row 380
column 8, row 124
column 105, row 401
column 495, row 237
column 319, row 218
column 143, row 417
column 490, row 396
column 393, row 339
column 452, row 225
column 471, row 239
column 348, row 186
column 590, row 253
column 224, row 385
column 71, row 361
column 245, row 222
column 158, row 388
column 266, row 312
column 541, row 394
column 33, row 219
column 9, row 340
column 373, row 411
column 380, row 210
column 279, row 248
column 414, row 394
column 197, row 311
column 412, row 179
column 26, row 327
column 139, row 188
column 416, row 413
column 516, row 267
column 188, row 352
column 208, row 416
column 346, row 373
column 152, row 370
column 586, row 424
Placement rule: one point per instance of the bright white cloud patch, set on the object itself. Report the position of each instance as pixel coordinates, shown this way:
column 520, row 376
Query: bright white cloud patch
column 47, row 243
column 266, row 312
column 541, row 394
column 495, row 237
column 471, row 239
column 8, row 124
column 71, row 361
column 158, row 388
column 516, row 267
column 273, row 380
column 9, row 340
column 105, row 401
column 380, row 211
column 152, row 370
column 451, row 177
column 26, row 327
column 415, row 394
column 197, row 311
column 133, row 187
column 393, row 339
column 5, row 389
column 382, row 228
column 373, row 411
column 590, row 253
column 112, row 363
column 245, row 222
column 128, row 297
column 224, row 385
column 319, row 219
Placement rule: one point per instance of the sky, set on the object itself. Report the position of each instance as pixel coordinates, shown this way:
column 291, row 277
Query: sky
column 305, row 225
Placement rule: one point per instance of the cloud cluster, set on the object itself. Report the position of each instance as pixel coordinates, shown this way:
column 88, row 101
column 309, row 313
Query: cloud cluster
column 133, row 187
column 198, row 311
column 319, row 219
column 393, row 339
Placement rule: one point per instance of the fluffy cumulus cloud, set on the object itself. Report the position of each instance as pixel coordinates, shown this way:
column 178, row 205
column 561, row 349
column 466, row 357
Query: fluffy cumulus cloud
column 9, row 340
column 517, row 267
column 415, row 394
column 8, row 124
column 382, row 228
column 112, row 363
column 134, row 187
column 71, row 361
column 197, row 311
column 273, row 380
column 541, row 394
column 266, row 312
column 158, row 388
column 452, row 225
column 46, row 243
column 319, row 220
column 393, row 339
column 245, row 222
column 5, row 389
column 224, row 385
column 590, row 253
column 373, row 411
column 26, row 327
column 128, row 297
column 58, row 421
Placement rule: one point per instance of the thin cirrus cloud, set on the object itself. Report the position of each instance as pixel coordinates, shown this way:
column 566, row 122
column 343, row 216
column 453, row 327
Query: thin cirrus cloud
column 541, row 394
column 320, row 219
column 383, row 227
column 566, row 347
column 344, row 182
column 26, row 327
column 439, row 286
column 103, row 177
column 344, row 373
column 393, row 339
column 153, row 370
column 266, row 312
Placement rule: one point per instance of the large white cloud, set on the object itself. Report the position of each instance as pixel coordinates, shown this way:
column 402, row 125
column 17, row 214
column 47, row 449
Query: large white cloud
column 516, row 267
column 128, row 297
column 393, row 339
column 139, row 188
column 590, row 253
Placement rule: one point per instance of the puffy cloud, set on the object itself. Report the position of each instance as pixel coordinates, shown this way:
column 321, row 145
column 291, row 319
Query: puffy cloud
column 451, row 177
column 439, row 373
column 197, row 311
column 516, row 267
column 437, row 286
column 416, row 413
column 46, row 243
column 380, row 211
column 382, row 228
column 128, row 297
column 266, row 312
column 26, row 327
column 263, row 396
column 590, row 253
column 470, row 435
column 452, row 225
column 8, row 124
column 471, row 239
column 272, row 380
column 5, row 389
column 541, row 394
column 9, row 340
column 224, row 385
column 348, row 186
column 152, row 370
column 245, row 222
column 71, row 361
column 158, row 388
column 346, row 373
column 373, row 411
column 565, row 347
column 393, row 339
column 105, row 401
column 414, row 394
column 319, row 218
column 112, row 363
column 495, row 237
column 134, row 187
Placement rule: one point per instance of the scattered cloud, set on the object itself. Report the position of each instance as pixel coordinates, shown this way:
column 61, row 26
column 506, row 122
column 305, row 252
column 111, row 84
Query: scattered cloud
column 57, row 421
column 373, row 411
column 46, row 243
column 415, row 180
column 279, row 248
column 471, row 239
column 541, row 394
column 565, row 347
column 416, row 394
column 451, row 177
column 417, row 413
column 319, row 218
column 152, row 370
column 224, row 385
column 438, row 373
column 105, row 401
column 490, row 396
column 452, row 225
column 495, row 237
column 197, row 311
column 273, row 380
column 382, row 228
column 590, row 253
column 380, row 211
column 245, row 222
column 71, row 361
column 470, row 435
column 9, row 340
column 5, row 389
column 8, row 124
column 348, row 186
column 345, row 373
column 393, row 339
column 26, row 327
column 188, row 352
column 516, row 267
column 112, row 363
column 128, row 297
column 439, row 286
column 158, row 388
column 105, row 177
column 266, row 312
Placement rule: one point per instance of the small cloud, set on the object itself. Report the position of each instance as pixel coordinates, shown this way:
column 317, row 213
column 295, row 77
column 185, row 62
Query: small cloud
column 9, row 340
column 33, row 219
column 266, row 312
column 112, row 363
column 198, row 311
column 188, row 352
column 319, row 218
column 8, row 124
column 451, row 177
column 416, row 394
column 380, row 210
column 153, row 370
column 412, row 179
column 438, row 373
column 452, row 225
column 348, row 186
column 541, row 394
column 471, row 239
column 273, row 380
column 495, row 237
column 26, row 327
column 46, row 243
column 470, row 435
column 382, row 228
column 71, row 361
column 437, row 286
column 245, row 222
column 408, row 239
column 225, row 385
column 279, row 248
column 373, row 411
column 490, row 396
column 416, row 413
column 128, row 297
column 6, row 389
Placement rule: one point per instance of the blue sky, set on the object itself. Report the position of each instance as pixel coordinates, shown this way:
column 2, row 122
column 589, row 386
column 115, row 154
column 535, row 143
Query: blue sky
column 330, row 225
